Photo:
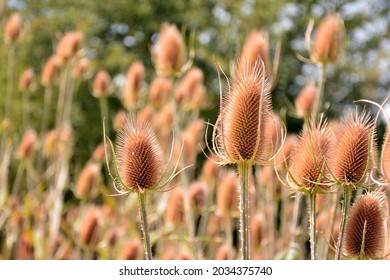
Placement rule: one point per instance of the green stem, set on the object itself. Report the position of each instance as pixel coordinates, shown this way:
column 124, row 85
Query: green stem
column 145, row 226
column 347, row 201
column 25, row 111
column 312, row 211
column 336, row 206
column 104, row 111
column 62, row 95
column 318, row 101
column 243, row 171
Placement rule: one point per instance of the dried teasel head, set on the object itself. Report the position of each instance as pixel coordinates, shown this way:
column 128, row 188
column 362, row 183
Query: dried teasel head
column 69, row 45
column 308, row 162
column 257, row 230
column 98, row 155
column 365, row 228
column 89, row 232
column 351, row 149
column 26, row 80
column 255, row 47
column 101, row 84
column 223, row 252
column 120, row 120
column 50, row 71
column 130, row 251
column 241, row 133
column 210, row 170
column 13, row 28
column 227, row 194
column 139, row 157
column 174, row 214
column 169, row 53
column 28, row 144
column 385, row 157
column 188, row 85
column 133, row 84
column 159, row 91
column 305, row 100
column 328, row 39
column 87, row 183
column 197, row 195
column 80, row 68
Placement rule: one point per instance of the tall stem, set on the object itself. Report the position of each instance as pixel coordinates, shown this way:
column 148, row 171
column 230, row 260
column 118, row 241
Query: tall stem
column 62, row 95
column 318, row 101
column 25, row 111
column 145, row 225
column 243, row 172
column 104, row 111
column 347, row 201
column 312, row 211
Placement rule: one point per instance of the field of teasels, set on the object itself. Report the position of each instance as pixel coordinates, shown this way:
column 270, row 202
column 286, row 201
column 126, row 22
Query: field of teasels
column 164, row 183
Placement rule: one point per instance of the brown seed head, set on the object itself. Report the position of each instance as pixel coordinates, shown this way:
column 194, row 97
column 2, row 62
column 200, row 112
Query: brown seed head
column 145, row 115
column 256, row 47
column 89, row 229
column 98, row 154
column 257, row 230
column 174, row 214
column 13, row 28
column 288, row 146
column 350, row 149
column 308, row 159
column 328, row 39
column 159, row 91
column 210, row 170
column 140, row 158
column 223, row 252
column 111, row 237
column 385, row 157
column 245, row 119
column 80, row 68
column 227, row 194
column 69, row 45
column 50, row 71
column 101, row 84
column 26, row 80
column 169, row 51
column 87, row 183
column 365, row 229
column 119, row 120
column 134, row 78
column 130, row 251
column 197, row 195
column 27, row 145
column 305, row 100
column 188, row 84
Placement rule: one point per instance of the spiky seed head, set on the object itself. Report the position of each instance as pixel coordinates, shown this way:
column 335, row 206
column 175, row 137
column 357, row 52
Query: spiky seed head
column 328, row 39
column 50, row 71
column 186, row 88
column 130, row 251
column 351, row 149
column 27, row 146
column 101, row 84
column 69, row 46
column 119, row 120
column 159, row 91
column 87, row 183
column 244, row 122
column 255, row 47
column 309, row 157
column 139, row 157
column 305, row 100
column 174, row 214
column 365, row 228
column 169, row 51
column 227, row 194
column 210, row 170
column 90, row 229
column 26, row 80
column 385, row 157
column 13, row 28
column 80, row 68
column 257, row 230
column 133, row 84
column 197, row 195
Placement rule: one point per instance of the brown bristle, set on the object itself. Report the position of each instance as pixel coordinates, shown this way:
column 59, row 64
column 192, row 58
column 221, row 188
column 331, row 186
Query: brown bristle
column 130, row 251
column 174, row 214
column 80, row 68
column 26, row 80
column 305, row 100
column 27, row 145
column 101, row 84
column 134, row 78
column 385, row 157
column 197, row 195
column 89, row 229
column 246, row 117
column 257, row 230
column 159, row 91
column 365, row 229
column 308, row 159
column 87, row 183
column 256, row 47
column 210, row 170
column 119, row 120
column 50, row 71
column 223, row 252
column 139, row 156
column 170, row 53
column 350, row 149
column 227, row 194
column 328, row 39
column 13, row 28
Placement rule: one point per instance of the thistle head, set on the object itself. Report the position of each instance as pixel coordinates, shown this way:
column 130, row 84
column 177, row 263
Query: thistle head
column 80, row 68
column 26, row 80
column 133, row 84
column 256, row 47
column 305, row 100
column 50, row 71
column 365, row 229
column 159, row 91
column 28, row 144
column 13, row 28
column 87, row 183
column 101, row 84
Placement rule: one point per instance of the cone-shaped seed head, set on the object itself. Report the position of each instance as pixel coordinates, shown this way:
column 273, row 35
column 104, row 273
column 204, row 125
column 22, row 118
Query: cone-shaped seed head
column 27, row 145
column 101, row 84
column 26, row 80
column 227, row 194
column 87, row 182
column 365, row 229
column 305, row 100
column 50, row 71
column 350, row 149
column 140, row 158
column 256, row 47
column 385, row 158
column 159, row 91
column 130, row 250
column 133, row 84
column 309, row 157
column 90, row 229
column 80, row 68
column 246, row 117
column 13, row 28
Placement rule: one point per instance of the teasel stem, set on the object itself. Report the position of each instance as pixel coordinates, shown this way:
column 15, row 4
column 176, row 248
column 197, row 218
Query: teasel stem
column 318, row 101
column 243, row 172
column 69, row 97
column 62, row 95
column 312, row 213
column 344, row 213
column 336, row 206
column 145, row 225
column 25, row 111
column 104, row 111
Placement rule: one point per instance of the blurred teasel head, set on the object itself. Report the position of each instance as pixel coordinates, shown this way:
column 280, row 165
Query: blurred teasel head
column 90, row 228
column 133, row 84
column 26, row 80
column 13, row 28
column 28, row 144
column 159, row 91
column 50, row 71
column 385, row 157
column 87, row 183
column 305, row 100
column 80, row 68
column 366, row 226
column 69, row 45
column 102, row 84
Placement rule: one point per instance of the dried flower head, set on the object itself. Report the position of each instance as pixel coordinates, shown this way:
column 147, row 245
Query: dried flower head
column 210, row 170
column 98, row 154
column 69, row 45
column 26, row 80
column 328, row 39
column 241, row 133
column 365, row 229
column 139, row 157
column 255, row 47
column 223, row 252
column 145, row 115
column 188, row 84
column 101, row 84
column 351, row 149
column 13, row 28
column 174, row 214
column 159, row 91
column 385, row 157
column 227, row 194
column 119, row 120
column 257, row 230
column 197, row 195
column 305, row 100
column 80, row 68
column 27, row 145
column 308, row 162
column 89, row 231
column 130, row 251
column 50, row 71
column 169, row 51
column 133, row 84
column 87, row 183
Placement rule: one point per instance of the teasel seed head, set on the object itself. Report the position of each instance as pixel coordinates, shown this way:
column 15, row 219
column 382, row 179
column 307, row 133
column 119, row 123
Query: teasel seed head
column 133, row 85
column 242, row 132
column 145, row 115
column 69, row 45
column 257, row 230
column 174, row 214
column 120, row 120
column 101, row 84
column 223, row 252
column 255, row 47
column 210, row 170
column 26, row 80
column 227, row 194
column 27, row 146
column 308, row 162
column 328, row 39
column 87, row 183
column 305, row 100
column 169, row 52
column 89, row 232
column 13, row 28
column 139, row 157
column 98, row 155
column 50, row 71
column 159, row 91
column 80, row 68
column 365, row 228
column 351, row 149
column 188, row 84
column 385, row 157
column 130, row 251
column 197, row 195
